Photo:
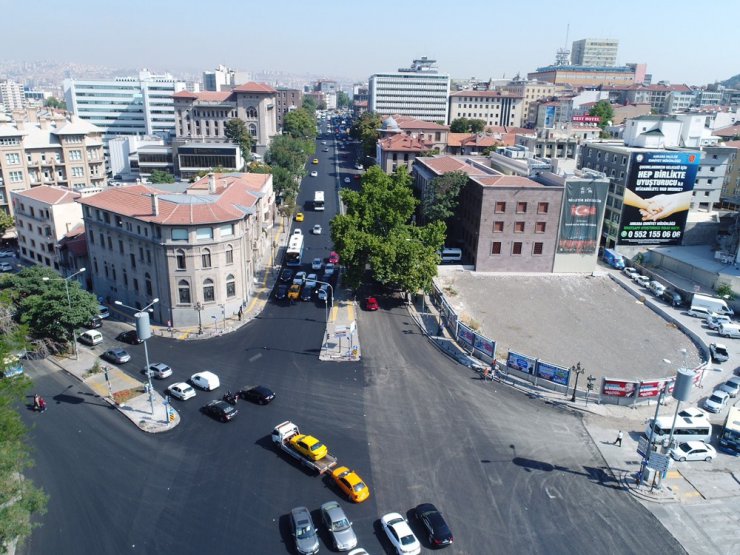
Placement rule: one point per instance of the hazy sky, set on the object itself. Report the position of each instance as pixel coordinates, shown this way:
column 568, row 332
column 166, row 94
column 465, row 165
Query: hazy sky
column 680, row 40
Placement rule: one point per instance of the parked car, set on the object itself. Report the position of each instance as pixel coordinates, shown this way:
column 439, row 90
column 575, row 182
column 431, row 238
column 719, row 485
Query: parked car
column 339, row 526
column 286, row 276
column 400, row 535
column 671, row 297
column 716, row 401
column 714, row 320
column 182, row 391
column 719, row 352
column 6, row 267
column 317, row 264
column 6, row 254
column 304, row 533
column 324, row 293
column 346, row 180
column 206, row 380
column 642, row 281
column 311, row 280
column 307, row 293
column 693, row 451
column 333, row 258
column 631, row 272
column 330, row 268
column 116, row 355
column 220, row 410
column 294, row 292
column 731, row 387
column 257, row 394
column 129, row 337
column 299, row 278
column 158, row 370
column 94, row 323
column 371, row 303
column 438, row 532
column 351, row 484
column 103, row 311
column 698, row 312
column 281, row 293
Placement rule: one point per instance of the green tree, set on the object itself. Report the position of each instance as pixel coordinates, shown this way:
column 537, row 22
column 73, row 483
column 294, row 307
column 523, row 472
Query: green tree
column 603, row 109
column 300, row 124
column 158, row 176
column 366, row 130
column 477, row 125
column 442, row 203
column 460, row 125
column 309, row 104
column 55, row 103
column 283, row 181
column 258, row 167
column 6, row 222
column 236, row 131
column 343, row 100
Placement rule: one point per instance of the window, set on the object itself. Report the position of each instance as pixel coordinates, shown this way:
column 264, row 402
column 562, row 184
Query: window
column 75, row 155
column 518, row 227
column 125, row 277
column 132, row 259
column 148, row 283
column 540, row 227
column 13, row 158
column 537, row 248
column 78, row 172
column 179, row 234
column 500, row 208
column 120, row 246
column 516, row 248
column 496, row 247
column 230, row 286
column 229, row 255
column 206, row 258
column 203, row 233
column 183, row 289
column 521, row 207
column 180, row 257
column 498, row 227
column 16, row 177
column 208, row 292
column 542, row 207
column 252, row 130
column 226, row 230
column 136, row 285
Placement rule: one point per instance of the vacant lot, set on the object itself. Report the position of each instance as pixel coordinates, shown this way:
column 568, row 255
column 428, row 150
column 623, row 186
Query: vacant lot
column 567, row 319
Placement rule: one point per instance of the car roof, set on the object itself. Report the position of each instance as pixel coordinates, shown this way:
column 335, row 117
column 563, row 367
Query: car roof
column 205, row 374
column 159, row 365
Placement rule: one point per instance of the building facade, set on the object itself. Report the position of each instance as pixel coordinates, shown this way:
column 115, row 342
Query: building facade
column 594, row 52
column 43, row 216
column 419, row 92
column 559, row 143
column 65, row 153
column 286, row 100
column 11, row 96
column 531, row 92
column 196, row 251
column 493, row 107
column 587, row 76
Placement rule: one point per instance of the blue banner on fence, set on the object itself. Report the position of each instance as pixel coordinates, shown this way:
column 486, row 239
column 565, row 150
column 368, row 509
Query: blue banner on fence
column 484, row 345
column 464, row 333
column 553, row 373
column 520, row 362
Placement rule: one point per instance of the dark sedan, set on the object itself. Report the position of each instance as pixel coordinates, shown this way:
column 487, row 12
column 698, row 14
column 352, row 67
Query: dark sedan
column 439, row 533
column 258, row 394
column 286, row 276
column 220, row 410
column 129, row 337
column 117, row 356
column 307, row 293
column 281, row 293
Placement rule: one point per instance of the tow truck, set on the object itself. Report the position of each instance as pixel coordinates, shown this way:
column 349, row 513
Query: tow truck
column 281, row 438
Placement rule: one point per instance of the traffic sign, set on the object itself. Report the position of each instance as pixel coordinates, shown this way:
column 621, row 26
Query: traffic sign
column 659, row 462
column 642, row 446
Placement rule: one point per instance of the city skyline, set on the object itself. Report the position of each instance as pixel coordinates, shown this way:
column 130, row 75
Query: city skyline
column 476, row 40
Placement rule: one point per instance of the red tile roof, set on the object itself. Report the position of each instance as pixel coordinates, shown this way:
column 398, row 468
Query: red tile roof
column 401, row 142
column 206, row 96
column 185, row 94
column 445, row 164
column 50, row 195
column 507, row 181
column 729, row 131
column 732, row 144
column 252, row 87
column 407, row 122
column 455, row 139
column 481, row 140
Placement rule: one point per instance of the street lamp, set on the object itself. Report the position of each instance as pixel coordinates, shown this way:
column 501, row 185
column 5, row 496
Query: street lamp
column 69, row 301
column 578, row 370
column 326, row 301
column 144, row 332
column 199, row 308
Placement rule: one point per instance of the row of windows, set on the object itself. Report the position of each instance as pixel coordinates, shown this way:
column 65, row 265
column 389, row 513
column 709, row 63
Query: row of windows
column 205, row 258
column 519, row 227
column 521, row 207
column 516, row 248
column 209, row 292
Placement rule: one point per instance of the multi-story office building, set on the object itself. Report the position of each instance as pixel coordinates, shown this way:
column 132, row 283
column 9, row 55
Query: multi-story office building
column 223, row 78
column 67, row 153
column 589, row 76
column 594, row 52
column 140, row 105
column 419, row 91
column 531, row 92
column 11, row 96
column 493, row 107
column 286, row 101
column 122, row 150
column 558, row 143
column 196, row 251
column 202, row 117
column 43, row 216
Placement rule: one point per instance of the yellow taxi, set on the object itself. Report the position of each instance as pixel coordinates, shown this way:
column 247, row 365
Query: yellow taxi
column 299, row 217
column 315, row 160
column 351, row 484
column 309, row 446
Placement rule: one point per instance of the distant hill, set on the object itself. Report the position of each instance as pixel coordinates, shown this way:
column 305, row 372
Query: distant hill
column 732, row 82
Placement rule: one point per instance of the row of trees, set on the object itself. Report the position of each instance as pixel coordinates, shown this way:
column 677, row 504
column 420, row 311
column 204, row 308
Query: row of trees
column 366, row 130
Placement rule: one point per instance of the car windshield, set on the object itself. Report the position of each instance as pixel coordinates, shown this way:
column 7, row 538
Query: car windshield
column 684, row 447
column 303, row 531
column 716, row 398
column 340, row 525
column 358, row 487
column 318, row 445
column 408, row 540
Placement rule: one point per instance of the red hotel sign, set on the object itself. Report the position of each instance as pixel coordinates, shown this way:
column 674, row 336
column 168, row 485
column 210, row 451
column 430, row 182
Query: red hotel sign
column 586, row 119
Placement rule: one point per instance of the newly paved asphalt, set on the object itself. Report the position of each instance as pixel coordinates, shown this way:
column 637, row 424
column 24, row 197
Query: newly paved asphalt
column 511, row 475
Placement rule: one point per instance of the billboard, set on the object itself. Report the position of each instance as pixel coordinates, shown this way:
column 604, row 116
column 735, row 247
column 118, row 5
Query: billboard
column 586, row 119
column 618, row 388
column 583, row 211
column 523, row 363
column 465, row 334
column 484, row 345
column 549, row 116
column 553, row 373
column 657, row 197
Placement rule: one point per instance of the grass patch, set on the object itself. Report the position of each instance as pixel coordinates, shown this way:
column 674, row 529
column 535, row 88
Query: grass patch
column 120, row 397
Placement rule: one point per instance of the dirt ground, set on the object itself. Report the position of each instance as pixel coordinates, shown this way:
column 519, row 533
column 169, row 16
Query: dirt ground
column 569, row 319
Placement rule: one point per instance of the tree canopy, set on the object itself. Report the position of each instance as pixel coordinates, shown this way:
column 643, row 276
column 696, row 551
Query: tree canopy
column 604, row 110
column 52, row 102
column 376, row 232
column 236, row 131
column 442, row 203
column 343, row 100
column 365, row 130
column 6, row 222
column 300, row 124
column 309, row 104
column 465, row 125
column 158, row 176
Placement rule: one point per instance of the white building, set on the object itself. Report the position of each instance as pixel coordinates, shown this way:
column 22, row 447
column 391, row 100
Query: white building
column 594, row 52
column 419, row 91
column 120, row 150
column 494, row 107
column 11, row 96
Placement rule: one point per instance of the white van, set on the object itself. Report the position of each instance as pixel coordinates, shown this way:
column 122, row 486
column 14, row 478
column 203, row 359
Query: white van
column 729, row 330
column 450, row 254
column 687, row 429
column 91, row 337
column 656, row 287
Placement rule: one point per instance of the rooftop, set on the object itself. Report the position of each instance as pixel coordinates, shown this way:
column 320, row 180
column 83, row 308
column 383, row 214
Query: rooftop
column 49, row 194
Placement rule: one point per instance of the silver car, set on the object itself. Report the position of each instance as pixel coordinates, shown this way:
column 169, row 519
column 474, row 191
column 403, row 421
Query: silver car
column 306, row 539
column 339, row 526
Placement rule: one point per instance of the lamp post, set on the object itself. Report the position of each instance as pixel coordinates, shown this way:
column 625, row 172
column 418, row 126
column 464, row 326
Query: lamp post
column 69, row 301
column 326, row 301
column 578, row 370
column 199, row 308
column 144, row 332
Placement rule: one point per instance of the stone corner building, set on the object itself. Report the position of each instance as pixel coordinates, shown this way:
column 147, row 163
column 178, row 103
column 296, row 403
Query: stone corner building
column 196, row 251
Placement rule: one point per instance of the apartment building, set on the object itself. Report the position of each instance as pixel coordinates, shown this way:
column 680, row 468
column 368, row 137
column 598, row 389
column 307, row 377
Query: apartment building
column 499, row 108
column 62, row 152
column 560, row 143
column 11, row 96
column 197, row 251
column 420, row 92
column 530, row 92
column 286, row 100
column 43, row 216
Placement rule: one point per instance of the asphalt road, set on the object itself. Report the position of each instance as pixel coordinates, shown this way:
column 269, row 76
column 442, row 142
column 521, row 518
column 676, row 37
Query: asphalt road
column 512, row 475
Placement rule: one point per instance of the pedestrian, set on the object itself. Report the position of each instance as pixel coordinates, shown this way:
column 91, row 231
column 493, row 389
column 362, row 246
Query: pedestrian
column 239, row 314
column 618, row 441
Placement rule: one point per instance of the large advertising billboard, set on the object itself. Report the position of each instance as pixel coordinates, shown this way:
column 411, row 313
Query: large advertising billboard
column 583, row 211
column 520, row 362
column 657, row 197
column 553, row 372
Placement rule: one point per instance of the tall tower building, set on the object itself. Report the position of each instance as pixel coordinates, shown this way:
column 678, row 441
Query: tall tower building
column 595, row 52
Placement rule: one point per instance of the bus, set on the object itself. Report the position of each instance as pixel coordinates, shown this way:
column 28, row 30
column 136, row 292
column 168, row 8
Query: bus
column 318, row 201
column 687, row 429
column 729, row 439
column 295, row 250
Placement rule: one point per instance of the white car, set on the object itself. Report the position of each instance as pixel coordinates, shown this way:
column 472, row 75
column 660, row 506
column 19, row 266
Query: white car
column 158, row 370
column 346, row 179
column 5, row 267
column 182, row 391
column 714, row 320
column 316, row 229
column 7, row 254
column 205, row 380
column 317, row 264
column 399, row 533
column 716, row 401
column 693, row 451
column 631, row 272
column 642, row 280
column 314, row 173
column 731, row 386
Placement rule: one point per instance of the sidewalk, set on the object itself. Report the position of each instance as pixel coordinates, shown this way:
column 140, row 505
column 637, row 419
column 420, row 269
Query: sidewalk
column 341, row 339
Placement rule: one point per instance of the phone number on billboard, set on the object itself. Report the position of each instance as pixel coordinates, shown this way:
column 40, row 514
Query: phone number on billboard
column 652, row 234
